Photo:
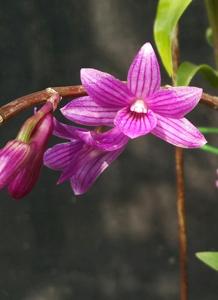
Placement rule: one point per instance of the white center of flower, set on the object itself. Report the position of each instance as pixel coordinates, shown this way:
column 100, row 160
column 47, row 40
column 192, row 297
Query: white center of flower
column 139, row 106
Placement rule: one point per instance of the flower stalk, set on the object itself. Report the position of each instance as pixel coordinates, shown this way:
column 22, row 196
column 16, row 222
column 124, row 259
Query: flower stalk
column 180, row 183
column 183, row 255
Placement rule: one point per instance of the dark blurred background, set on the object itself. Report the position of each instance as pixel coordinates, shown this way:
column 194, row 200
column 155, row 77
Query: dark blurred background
column 119, row 241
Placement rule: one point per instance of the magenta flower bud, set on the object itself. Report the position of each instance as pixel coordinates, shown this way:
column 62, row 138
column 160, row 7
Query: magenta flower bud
column 12, row 158
column 27, row 176
column 21, row 159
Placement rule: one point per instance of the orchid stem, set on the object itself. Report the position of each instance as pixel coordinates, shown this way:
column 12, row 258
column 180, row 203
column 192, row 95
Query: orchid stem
column 181, row 214
column 208, row 130
column 183, row 260
column 211, row 149
column 18, row 105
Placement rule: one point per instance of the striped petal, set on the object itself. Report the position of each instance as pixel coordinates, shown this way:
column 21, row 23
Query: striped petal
column 105, row 89
column 23, row 183
column 110, row 140
column 135, row 124
column 144, row 74
column 61, row 155
column 12, row 157
column 87, row 112
column 175, row 102
column 181, row 132
column 80, row 156
column 65, row 131
column 88, row 169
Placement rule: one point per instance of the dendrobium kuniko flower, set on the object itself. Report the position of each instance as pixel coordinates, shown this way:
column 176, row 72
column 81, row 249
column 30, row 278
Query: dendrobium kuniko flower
column 140, row 106
column 85, row 156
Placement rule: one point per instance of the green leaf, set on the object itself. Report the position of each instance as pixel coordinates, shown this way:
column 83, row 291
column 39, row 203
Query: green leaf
column 167, row 17
column 212, row 12
column 209, row 36
column 187, row 71
column 209, row 258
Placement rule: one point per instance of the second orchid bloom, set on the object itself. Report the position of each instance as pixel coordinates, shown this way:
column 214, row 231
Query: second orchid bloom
column 131, row 109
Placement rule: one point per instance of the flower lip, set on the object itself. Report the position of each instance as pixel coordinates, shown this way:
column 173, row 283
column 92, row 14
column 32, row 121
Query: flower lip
column 139, row 106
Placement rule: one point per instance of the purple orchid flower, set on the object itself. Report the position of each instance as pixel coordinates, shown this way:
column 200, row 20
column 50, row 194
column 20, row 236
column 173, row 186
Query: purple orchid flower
column 140, row 106
column 85, row 156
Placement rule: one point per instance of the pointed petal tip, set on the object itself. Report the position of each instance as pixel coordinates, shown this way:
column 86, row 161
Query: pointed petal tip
column 147, row 47
column 82, row 70
column 78, row 192
column 199, row 92
column 62, row 110
column 85, row 71
column 200, row 140
column 195, row 90
column 203, row 141
column 59, row 181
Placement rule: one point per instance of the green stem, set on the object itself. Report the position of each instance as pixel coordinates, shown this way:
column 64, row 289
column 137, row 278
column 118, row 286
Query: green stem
column 211, row 149
column 208, row 130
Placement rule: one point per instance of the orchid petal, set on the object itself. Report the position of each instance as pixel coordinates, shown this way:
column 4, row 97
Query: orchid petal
column 135, row 124
column 65, row 131
column 82, row 155
column 110, row 140
column 87, row 112
column 61, row 155
column 174, row 102
column 144, row 73
column 89, row 169
column 181, row 132
column 105, row 89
